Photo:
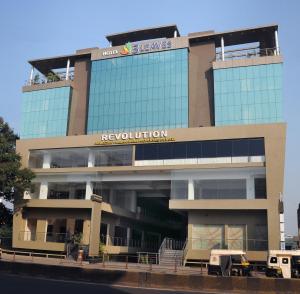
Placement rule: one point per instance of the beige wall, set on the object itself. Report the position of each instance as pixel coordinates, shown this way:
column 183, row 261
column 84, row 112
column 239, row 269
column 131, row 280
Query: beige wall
column 201, row 106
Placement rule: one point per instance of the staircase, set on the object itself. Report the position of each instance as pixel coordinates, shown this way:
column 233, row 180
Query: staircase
column 171, row 252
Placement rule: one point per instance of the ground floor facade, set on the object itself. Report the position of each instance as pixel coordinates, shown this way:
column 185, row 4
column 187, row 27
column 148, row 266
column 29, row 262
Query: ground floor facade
column 208, row 188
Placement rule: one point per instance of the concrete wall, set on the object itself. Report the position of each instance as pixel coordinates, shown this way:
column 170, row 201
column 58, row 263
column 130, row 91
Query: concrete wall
column 201, row 107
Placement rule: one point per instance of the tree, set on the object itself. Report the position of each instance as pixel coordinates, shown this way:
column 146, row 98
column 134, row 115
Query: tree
column 14, row 180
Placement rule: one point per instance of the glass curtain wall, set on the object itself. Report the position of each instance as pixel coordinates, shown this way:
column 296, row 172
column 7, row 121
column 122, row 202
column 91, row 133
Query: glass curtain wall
column 248, row 94
column 45, row 113
column 139, row 92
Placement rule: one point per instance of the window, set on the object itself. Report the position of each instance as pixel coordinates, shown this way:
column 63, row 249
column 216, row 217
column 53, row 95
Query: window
column 66, row 190
column 260, row 188
column 179, row 189
column 201, row 149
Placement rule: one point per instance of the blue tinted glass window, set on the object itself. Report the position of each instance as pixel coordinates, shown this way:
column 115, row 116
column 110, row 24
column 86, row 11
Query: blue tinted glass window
column 248, row 95
column 45, row 113
column 146, row 91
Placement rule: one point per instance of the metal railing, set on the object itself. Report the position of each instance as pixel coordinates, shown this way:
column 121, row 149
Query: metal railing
column 55, row 77
column 107, row 240
column 246, row 53
column 170, row 244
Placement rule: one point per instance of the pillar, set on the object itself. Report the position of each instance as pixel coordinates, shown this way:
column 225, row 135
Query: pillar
column 91, row 159
column 68, row 69
column 70, row 226
column 31, row 75
column 132, row 196
column 250, row 187
column 88, row 190
column 95, row 229
column 273, row 228
column 276, row 43
column 175, row 34
column 128, row 236
column 47, row 160
column 191, row 190
column 222, row 49
column 41, row 230
column 44, row 190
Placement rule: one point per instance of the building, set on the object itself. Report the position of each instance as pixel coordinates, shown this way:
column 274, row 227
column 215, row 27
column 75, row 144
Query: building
column 158, row 135
column 298, row 216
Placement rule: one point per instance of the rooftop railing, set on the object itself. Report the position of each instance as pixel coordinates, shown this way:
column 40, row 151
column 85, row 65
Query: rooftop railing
column 246, row 53
column 50, row 78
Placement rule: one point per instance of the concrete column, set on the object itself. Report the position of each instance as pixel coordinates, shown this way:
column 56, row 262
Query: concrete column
column 41, row 229
column 250, row 187
column 91, row 159
column 31, row 75
column 86, row 232
column 70, row 226
column 68, row 69
column 273, row 228
column 44, row 190
column 47, row 160
column 95, row 229
column 88, row 190
column 277, row 43
column 111, row 196
column 191, row 190
column 108, row 235
column 175, row 34
column 222, row 49
column 132, row 201
column 128, row 236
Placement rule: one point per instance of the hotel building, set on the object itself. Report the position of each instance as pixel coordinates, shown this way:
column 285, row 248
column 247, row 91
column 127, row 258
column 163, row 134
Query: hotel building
column 156, row 136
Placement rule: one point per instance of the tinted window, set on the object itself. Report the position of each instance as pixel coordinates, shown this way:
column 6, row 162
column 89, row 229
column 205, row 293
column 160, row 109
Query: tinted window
column 260, row 188
column 209, row 149
column 273, row 260
column 224, row 148
column 240, row 147
column 256, row 147
column 150, row 151
column 164, row 151
column 179, row 150
column 194, row 149
column 139, row 152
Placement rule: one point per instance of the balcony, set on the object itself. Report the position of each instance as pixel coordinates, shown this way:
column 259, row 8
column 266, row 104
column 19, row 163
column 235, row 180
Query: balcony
column 51, row 77
column 245, row 53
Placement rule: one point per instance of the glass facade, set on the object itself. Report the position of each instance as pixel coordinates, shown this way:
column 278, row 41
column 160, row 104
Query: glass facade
column 45, row 113
column 201, row 149
column 139, row 92
column 248, row 94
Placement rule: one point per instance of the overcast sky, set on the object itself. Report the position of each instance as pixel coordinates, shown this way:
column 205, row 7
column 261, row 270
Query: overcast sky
column 37, row 29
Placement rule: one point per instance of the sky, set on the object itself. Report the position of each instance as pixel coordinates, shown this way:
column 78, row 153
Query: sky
column 37, row 29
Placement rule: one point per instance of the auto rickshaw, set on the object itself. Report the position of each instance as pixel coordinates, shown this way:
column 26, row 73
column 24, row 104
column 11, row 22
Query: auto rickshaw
column 229, row 263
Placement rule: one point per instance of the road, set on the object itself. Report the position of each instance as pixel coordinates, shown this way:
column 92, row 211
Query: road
column 15, row 284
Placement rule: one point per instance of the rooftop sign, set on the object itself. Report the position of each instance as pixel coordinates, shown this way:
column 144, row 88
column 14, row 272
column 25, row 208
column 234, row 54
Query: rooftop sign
column 140, row 47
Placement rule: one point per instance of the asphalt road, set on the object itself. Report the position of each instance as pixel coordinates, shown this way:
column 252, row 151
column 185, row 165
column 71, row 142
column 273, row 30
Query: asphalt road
column 15, row 284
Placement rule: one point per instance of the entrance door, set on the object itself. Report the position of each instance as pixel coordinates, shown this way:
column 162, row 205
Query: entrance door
column 285, row 265
column 236, row 237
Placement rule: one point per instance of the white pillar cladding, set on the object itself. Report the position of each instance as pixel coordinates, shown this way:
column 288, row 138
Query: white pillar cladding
column 68, row 69
column 132, row 196
column 47, row 160
column 91, row 159
column 88, row 190
column 44, row 190
column 191, row 190
column 107, row 234
column 128, row 235
column 31, row 75
column 250, row 187
column 175, row 34
column 111, row 196
column 277, row 43
column 222, row 48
